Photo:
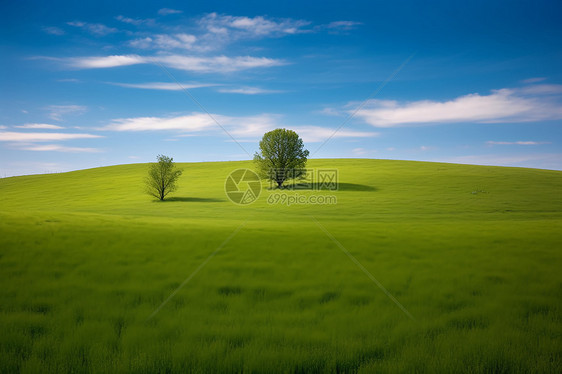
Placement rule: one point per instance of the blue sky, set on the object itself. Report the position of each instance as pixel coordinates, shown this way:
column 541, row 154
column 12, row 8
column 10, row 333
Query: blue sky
column 101, row 83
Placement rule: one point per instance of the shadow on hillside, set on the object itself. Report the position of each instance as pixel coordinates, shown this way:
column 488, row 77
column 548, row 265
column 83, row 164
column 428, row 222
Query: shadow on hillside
column 181, row 199
column 321, row 187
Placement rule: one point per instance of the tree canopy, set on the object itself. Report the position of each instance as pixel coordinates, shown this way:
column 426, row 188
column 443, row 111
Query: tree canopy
column 282, row 156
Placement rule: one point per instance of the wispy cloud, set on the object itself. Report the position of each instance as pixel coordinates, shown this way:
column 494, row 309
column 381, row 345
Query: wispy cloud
column 142, row 43
column 70, row 80
column 195, row 122
column 247, row 128
column 504, row 105
column 52, row 30
column 58, row 148
column 331, row 112
column 213, row 31
column 166, row 86
column 341, row 25
column 188, row 123
column 136, row 21
column 315, row 134
column 98, row 62
column 533, row 80
column 231, row 27
column 168, row 11
column 359, row 151
column 44, row 126
column 222, row 64
column 57, row 112
column 248, row 91
column 541, row 89
column 7, row 136
column 165, row 41
column 97, row 29
column 521, row 142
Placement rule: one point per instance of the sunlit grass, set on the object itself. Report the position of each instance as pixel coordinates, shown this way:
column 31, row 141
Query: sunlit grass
column 472, row 252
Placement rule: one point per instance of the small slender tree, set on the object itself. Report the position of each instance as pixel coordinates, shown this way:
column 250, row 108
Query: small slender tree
column 282, row 156
column 162, row 177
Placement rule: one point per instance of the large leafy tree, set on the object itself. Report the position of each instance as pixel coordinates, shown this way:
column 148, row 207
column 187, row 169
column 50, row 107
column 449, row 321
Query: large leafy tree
column 282, row 156
column 162, row 177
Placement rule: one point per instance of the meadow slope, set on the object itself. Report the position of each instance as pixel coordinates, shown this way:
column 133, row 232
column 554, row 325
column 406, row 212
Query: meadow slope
column 473, row 253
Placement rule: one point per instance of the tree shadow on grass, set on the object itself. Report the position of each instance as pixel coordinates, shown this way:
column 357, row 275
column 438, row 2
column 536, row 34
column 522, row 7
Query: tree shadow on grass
column 355, row 187
column 182, row 199
column 322, row 187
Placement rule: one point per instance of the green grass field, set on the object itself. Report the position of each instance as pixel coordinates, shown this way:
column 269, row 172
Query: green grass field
column 472, row 252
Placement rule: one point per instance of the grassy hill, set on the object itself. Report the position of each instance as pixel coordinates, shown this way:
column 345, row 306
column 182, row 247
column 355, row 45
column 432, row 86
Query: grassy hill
column 473, row 253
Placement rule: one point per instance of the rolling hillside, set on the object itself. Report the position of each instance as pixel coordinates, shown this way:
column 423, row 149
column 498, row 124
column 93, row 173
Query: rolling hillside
column 471, row 253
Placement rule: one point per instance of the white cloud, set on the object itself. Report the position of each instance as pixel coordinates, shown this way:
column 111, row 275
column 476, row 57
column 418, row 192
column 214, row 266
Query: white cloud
column 212, row 31
column 58, row 111
column 167, row 11
column 542, row 89
column 39, row 126
column 359, row 151
column 166, row 86
column 533, row 80
column 53, row 30
column 342, row 25
column 250, row 27
column 97, row 62
column 221, row 64
column 131, row 21
column 526, row 142
column 7, row 136
column 135, row 21
column 93, row 28
column 247, row 128
column 248, row 91
column 188, row 123
column 165, row 41
column 59, row 148
column 142, row 43
column 196, row 123
column 313, row 134
column 331, row 112
column 504, row 105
